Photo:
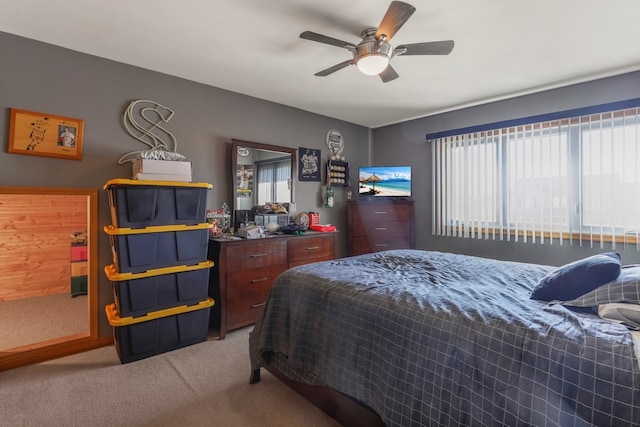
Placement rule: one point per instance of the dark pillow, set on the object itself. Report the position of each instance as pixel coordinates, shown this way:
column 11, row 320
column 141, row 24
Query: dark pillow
column 625, row 288
column 577, row 278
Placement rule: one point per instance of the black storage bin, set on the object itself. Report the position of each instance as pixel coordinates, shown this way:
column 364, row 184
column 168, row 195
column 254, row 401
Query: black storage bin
column 142, row 249
column 136, row 294
column 139, row 204
column 159, row 331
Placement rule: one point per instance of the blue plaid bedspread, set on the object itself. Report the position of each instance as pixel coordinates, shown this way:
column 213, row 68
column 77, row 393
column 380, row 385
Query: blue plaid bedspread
column 429, row 338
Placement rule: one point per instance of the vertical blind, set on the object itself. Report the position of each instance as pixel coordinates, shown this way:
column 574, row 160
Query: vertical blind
column 572, row 179
column 273, row 181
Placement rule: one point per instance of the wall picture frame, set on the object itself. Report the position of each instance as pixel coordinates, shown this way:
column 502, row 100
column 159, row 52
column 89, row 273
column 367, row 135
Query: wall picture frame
column 309, row 164
column 43, row 134
column 244, row 181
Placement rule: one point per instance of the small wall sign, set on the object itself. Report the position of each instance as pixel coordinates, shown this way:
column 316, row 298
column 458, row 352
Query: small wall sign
column 335, row 143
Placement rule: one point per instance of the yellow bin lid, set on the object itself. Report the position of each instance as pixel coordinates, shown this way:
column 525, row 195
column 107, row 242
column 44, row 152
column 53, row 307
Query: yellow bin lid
column 116, row 321
column 147, row 183
column 111, row 230
column 115, row 276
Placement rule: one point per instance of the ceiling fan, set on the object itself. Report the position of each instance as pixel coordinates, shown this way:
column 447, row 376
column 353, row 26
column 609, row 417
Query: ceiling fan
column 373, row 53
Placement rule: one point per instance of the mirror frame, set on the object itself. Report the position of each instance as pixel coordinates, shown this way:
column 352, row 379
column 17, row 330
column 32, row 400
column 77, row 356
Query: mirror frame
column 64, row 346
column 260, row 146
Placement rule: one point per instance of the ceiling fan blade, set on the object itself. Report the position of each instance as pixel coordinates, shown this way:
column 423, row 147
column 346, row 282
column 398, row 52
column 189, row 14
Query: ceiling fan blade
column 335, row 68
column 396, row 16
column 310, row 35
column 388, row 74
column 427, row 48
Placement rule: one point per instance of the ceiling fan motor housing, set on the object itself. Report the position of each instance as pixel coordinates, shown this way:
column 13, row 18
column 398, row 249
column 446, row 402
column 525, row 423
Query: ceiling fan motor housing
column 371, row 46
column 374, row 47
column 372, row 55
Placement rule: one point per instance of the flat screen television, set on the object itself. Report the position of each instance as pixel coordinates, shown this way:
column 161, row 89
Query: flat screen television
column 384, row 181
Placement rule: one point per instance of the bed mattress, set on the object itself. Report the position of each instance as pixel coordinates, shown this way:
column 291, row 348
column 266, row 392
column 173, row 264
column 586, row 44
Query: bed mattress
column 430, row 338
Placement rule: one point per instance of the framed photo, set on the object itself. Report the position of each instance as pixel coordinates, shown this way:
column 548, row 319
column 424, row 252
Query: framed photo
column 48, row 135
column 244, row 180
column 309, row 164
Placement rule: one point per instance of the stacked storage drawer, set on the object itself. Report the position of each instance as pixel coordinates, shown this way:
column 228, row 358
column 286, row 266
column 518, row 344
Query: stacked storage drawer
column 160, row 273
column 79, row 268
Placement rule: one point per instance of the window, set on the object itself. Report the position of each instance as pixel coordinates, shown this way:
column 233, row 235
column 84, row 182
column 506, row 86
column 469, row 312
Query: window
column 574, row 178
column 273, row 180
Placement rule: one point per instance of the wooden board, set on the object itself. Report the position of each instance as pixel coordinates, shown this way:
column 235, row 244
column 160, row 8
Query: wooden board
column 35, row 242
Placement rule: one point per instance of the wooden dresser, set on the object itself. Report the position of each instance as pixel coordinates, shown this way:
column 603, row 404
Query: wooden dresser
column 244, row 271
column 379, row 225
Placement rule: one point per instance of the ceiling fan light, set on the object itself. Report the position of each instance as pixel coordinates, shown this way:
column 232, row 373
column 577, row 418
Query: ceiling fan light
column 372, row 65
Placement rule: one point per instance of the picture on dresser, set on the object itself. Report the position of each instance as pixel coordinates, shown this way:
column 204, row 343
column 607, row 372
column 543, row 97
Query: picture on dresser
column 309, row 164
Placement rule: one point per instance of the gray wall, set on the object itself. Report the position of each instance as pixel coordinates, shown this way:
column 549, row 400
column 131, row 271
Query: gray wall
column 39, row 77
column 415, row 151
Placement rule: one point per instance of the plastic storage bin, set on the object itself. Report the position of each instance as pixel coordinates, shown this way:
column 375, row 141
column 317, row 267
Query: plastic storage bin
column 139, row 204
column 140, row 249
column 79, row 269
column 159, row 331
column 137, row 294
column 79, row 285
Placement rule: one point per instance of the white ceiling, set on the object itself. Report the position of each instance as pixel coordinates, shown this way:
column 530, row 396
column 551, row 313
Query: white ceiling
column 503, row 48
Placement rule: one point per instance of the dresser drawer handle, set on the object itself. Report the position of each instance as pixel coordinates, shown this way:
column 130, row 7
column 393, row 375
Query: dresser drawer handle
column 313, row 248
column 379, row 213
column 382, row 245
column 262, row 279
column 380, row 228
column 257, row 255
column 258, row 305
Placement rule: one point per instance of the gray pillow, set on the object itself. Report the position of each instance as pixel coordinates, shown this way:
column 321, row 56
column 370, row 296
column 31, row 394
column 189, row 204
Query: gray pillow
column 621, row 312
column 625, row 288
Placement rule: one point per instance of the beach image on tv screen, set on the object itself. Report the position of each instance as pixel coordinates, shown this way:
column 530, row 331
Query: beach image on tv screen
column 385, row 181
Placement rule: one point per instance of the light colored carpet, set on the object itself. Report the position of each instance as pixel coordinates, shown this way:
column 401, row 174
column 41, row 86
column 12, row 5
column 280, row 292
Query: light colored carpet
column 49, row 316
column 206, row 384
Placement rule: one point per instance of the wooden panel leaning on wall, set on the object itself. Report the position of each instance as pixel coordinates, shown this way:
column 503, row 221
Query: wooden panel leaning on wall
column 36, row 232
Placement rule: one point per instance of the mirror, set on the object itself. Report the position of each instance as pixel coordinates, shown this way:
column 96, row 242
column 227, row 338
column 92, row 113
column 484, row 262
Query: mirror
column 48, row 265
column 262, row 173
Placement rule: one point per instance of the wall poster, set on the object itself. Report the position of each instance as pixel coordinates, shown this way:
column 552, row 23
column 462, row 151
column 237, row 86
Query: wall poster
column 309, row 164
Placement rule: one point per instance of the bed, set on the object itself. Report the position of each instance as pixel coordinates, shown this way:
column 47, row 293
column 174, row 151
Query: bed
column 411, row 337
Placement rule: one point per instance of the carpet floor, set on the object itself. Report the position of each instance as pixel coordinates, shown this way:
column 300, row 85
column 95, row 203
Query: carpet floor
column 205, row 384
column 50, row 316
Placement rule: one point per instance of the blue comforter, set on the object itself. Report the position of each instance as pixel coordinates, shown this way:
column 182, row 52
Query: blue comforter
column 430, row 338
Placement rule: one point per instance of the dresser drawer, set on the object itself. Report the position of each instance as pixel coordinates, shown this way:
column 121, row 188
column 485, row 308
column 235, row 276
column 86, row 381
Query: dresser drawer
column 245, row 310
column 259, row 253
column 363, row 245
column 310, row 249
column 253, row 280
column 382, row 212
column 244, row 271
column 381, row 229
